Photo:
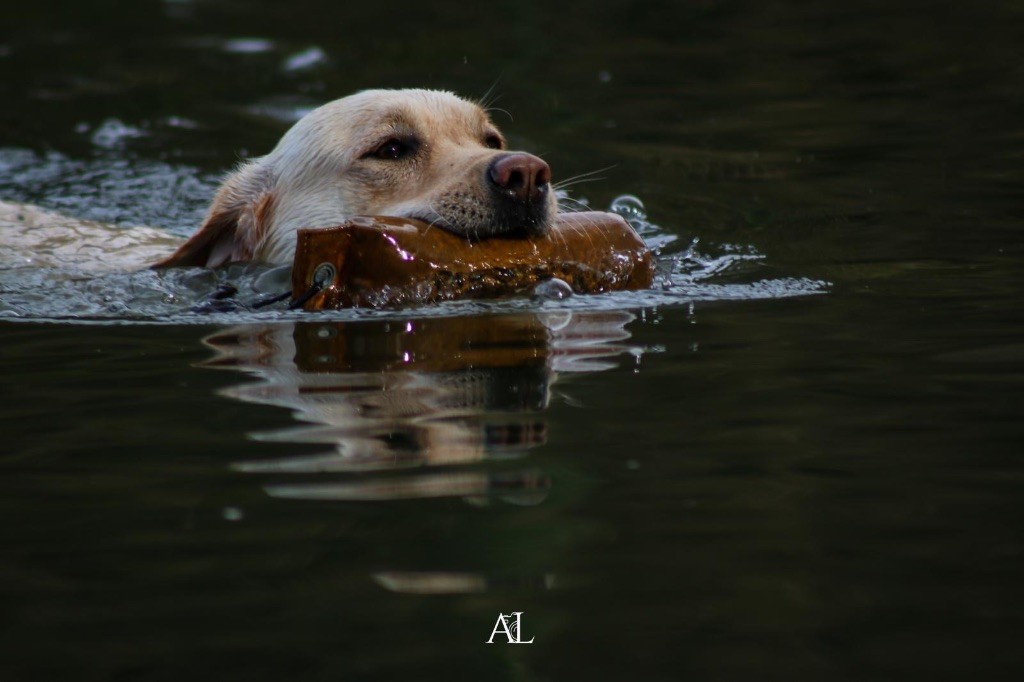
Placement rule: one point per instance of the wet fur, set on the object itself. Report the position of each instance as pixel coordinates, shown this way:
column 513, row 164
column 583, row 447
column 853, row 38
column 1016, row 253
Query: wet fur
column 325, row 169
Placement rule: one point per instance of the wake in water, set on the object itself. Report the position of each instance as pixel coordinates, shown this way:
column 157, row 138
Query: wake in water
column 238, row 294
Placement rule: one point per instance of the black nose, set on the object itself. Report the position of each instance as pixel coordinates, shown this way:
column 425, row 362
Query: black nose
column 520, row 176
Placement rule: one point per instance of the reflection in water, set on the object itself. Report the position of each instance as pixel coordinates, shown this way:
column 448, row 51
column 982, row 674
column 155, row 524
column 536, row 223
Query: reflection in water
column 401, row 403
column 423, row 394
column 451, row 582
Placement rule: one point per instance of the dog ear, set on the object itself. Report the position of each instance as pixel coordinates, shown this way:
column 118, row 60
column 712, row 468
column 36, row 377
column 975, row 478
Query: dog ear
column 235, row 224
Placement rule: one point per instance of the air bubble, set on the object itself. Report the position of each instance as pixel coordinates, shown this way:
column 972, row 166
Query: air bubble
column 629, row 207
column 553, row 289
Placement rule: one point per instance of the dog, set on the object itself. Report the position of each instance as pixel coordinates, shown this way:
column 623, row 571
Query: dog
column 422, row 154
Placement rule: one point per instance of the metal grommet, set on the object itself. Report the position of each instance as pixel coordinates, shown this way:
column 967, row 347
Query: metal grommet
column 324, row 275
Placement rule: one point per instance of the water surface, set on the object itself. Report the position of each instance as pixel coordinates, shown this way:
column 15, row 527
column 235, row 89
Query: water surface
column 715, row 480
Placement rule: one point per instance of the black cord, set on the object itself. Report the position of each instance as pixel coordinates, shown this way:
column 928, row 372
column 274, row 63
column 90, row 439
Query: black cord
column 301, row 300
column 263, row 302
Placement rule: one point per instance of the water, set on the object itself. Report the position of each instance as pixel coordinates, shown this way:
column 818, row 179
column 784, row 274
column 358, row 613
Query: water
column 240, row 293
column 717, row 479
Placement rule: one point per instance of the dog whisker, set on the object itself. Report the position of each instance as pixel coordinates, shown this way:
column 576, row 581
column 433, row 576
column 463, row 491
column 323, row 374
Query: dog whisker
column 491, row 96
column 571, row 204
column 578, row 181
column 499, row 109
column 437, row 219
column 589, row 175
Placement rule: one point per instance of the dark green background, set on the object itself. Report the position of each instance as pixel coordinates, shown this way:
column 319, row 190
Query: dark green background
column 815, row 488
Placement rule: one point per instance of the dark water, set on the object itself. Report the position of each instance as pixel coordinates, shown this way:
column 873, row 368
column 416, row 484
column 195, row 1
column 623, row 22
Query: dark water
column 799, row 487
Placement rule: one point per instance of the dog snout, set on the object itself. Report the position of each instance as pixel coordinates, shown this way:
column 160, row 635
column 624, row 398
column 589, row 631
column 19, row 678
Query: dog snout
column 520, row 176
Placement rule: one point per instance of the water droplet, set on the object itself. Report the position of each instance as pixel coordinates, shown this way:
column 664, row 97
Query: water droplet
column 629, row 207
column 552, row 289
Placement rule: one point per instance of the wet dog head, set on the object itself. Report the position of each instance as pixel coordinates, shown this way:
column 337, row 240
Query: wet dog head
column 410, row 153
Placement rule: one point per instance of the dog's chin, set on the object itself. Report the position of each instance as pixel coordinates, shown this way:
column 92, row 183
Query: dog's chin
column 506, row 224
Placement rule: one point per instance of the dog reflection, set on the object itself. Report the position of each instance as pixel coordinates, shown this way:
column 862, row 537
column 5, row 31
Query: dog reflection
column 423, row 394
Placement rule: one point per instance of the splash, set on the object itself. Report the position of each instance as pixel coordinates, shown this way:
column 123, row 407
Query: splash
column 111, row 187
column 687, row 272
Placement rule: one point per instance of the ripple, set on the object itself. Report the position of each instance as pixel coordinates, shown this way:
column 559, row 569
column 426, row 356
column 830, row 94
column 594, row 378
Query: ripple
column 309, row 58
column 283, row 110
column 132, row 191
column 109, row 188
column 112, row 134
column 248, row 45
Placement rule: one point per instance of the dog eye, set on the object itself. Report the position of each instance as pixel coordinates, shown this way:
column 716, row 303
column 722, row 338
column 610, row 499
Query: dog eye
column 394, row 149
column 494, row 141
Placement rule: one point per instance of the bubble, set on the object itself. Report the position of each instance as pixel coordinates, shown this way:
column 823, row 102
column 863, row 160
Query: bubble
column 629, row 207
column 553, row 289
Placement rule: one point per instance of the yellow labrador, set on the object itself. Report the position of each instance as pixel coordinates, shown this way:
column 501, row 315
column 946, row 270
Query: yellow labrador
column 409, row 153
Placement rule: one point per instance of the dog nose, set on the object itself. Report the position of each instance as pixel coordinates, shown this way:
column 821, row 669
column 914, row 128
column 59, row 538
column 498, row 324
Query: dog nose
column 521, row 176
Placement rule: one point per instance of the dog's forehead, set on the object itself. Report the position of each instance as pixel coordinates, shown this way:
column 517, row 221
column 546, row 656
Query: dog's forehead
column 339, row 131
column 429, row 111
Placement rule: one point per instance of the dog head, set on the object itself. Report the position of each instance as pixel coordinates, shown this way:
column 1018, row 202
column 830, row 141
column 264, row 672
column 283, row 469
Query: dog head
column 408, row 153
